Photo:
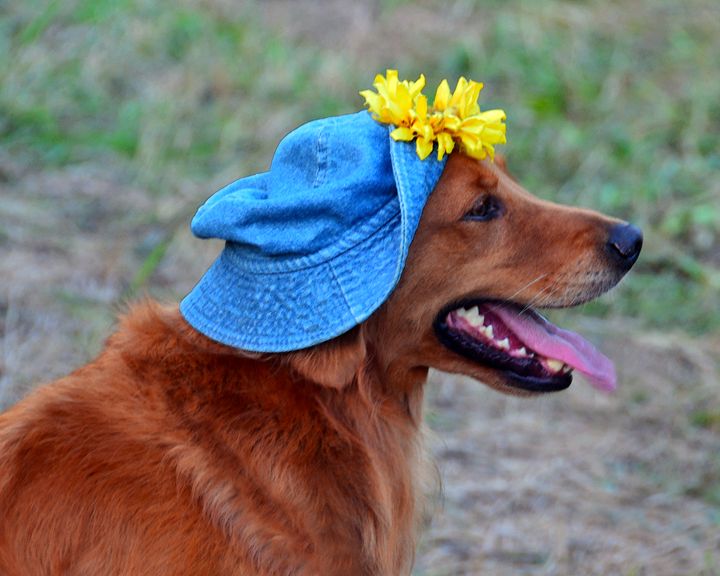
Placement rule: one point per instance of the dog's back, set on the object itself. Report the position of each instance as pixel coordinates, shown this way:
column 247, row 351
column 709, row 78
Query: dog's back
column 87, row 461
column 162, row 457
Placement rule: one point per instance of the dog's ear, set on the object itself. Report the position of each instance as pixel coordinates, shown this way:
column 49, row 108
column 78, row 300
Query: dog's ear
column 334, row 363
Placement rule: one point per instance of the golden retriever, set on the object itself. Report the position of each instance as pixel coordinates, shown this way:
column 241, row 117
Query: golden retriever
column 172, row 454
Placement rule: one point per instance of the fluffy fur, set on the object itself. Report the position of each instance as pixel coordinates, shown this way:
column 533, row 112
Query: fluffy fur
column 173, row 454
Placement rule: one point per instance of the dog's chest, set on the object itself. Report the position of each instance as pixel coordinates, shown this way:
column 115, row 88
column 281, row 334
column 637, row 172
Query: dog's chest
column 342, row 500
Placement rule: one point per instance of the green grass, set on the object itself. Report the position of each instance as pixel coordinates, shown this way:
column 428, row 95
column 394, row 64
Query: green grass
column 609, row 106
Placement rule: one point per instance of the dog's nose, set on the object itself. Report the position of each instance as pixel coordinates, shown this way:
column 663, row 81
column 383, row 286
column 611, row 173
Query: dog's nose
column 624, row 244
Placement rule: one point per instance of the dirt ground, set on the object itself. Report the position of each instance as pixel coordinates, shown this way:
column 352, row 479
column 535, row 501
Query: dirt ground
column 574, row 483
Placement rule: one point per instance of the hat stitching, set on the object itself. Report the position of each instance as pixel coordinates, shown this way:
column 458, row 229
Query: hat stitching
column 322, row 156
column 398, row 173
column 342, row 290
column 249, row 263
column 210, row 309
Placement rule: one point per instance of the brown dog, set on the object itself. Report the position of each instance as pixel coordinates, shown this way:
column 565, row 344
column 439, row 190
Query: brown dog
column 172, row 454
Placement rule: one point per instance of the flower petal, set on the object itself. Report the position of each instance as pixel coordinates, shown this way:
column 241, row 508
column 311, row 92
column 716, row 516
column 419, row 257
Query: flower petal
column 442, row 96
column 445, row 144
column 423, row 148
column 421, row 106
column 403, row 133
column 417, row 86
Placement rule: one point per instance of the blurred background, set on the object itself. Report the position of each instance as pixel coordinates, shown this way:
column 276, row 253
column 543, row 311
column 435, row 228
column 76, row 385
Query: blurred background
column 119, row 117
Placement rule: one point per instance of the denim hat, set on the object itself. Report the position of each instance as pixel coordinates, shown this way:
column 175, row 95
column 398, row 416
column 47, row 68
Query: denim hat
column 317, row 243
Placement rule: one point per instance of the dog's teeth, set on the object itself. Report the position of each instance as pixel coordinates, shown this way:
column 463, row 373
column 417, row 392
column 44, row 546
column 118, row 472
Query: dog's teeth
column 503, row 344
column 489, row 332
column 522, row 352
column 554, row 365
column 566, row 369
column 474, row 317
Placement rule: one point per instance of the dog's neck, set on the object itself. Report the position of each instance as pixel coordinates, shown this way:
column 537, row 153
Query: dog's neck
column 349, row 417
column 369, row 385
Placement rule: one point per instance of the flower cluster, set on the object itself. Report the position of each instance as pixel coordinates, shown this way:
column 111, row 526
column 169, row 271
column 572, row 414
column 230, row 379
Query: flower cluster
column 453, row 118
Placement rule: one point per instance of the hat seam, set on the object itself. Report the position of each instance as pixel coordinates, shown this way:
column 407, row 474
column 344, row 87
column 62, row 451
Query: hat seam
column 399, row 175
column 322, row 155
column 342, row 289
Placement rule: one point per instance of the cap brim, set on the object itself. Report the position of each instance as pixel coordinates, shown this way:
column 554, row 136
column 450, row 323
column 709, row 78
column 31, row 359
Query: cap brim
column 291, row 310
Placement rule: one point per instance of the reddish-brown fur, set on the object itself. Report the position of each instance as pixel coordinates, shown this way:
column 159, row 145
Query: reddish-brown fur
column 172, row 454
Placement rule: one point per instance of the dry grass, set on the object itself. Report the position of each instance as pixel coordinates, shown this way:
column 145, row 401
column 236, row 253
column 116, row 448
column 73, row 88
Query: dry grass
column 118, row 117
column 581, row 483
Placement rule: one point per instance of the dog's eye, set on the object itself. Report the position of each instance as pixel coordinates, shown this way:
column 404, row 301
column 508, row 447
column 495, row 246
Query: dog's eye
column 485, row 208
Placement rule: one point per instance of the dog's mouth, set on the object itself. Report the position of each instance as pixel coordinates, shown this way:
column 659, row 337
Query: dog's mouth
column 531, row 353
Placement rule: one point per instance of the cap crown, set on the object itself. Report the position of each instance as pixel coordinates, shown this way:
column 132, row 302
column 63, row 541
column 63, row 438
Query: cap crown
column 317, row 243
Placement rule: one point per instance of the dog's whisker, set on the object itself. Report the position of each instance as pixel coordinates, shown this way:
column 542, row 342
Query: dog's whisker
column 540, row 297
column 535, row 281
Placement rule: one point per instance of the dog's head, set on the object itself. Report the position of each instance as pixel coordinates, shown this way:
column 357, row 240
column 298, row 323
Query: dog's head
column 485, row 254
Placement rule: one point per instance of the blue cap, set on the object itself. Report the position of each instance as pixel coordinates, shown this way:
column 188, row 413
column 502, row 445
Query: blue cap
column 316, row 244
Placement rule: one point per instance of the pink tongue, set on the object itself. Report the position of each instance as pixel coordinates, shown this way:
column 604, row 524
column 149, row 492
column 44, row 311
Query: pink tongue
column 548, row 340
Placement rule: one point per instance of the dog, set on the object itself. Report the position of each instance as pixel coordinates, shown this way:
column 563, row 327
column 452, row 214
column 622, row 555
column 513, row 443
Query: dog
column 173, row 454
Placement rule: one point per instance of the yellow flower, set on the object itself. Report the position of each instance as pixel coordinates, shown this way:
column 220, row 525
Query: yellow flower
column 453, row 119
column 394, row 101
